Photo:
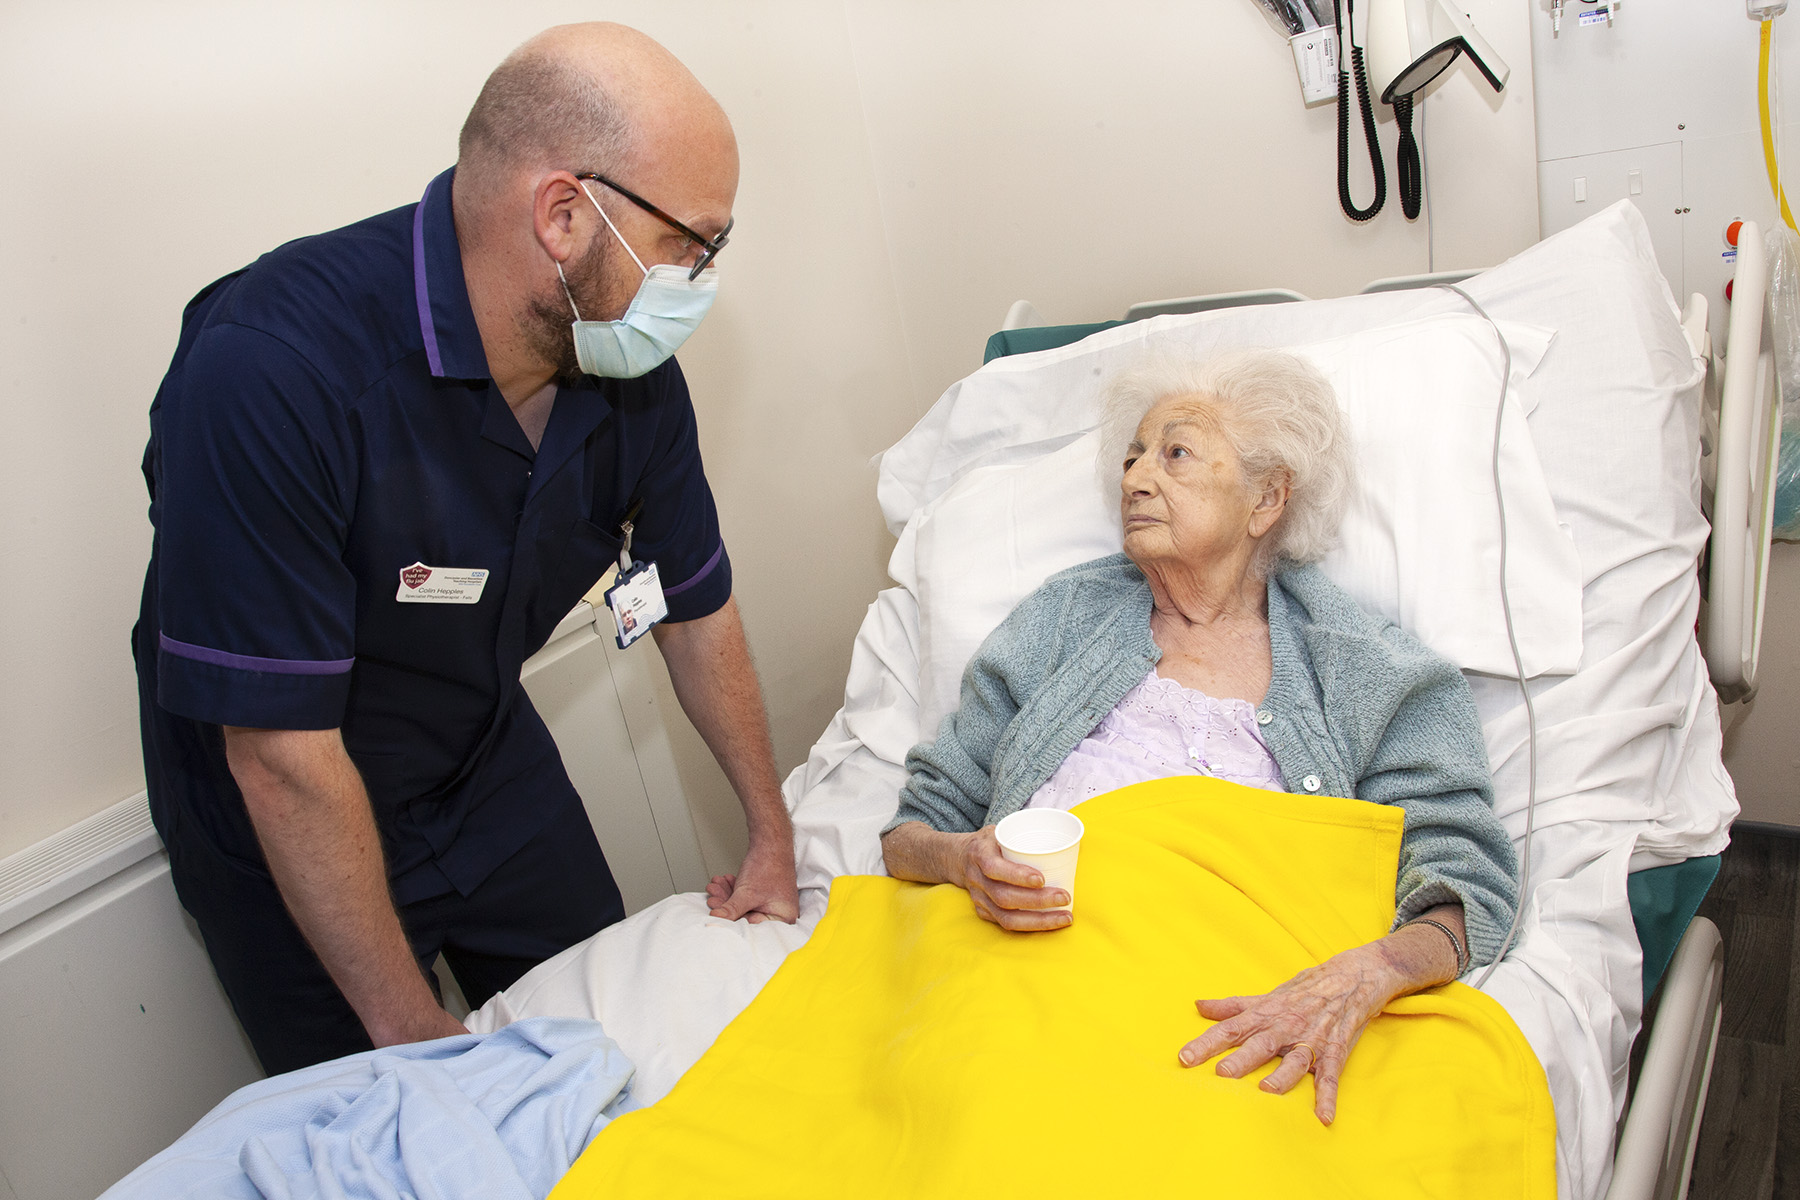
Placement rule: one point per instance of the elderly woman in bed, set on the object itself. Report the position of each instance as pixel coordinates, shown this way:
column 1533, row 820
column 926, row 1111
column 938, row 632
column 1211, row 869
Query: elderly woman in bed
column 1208, row 647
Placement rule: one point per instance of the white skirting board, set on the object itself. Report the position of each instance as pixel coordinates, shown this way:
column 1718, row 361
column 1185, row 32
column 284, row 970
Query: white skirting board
column 116, row 1034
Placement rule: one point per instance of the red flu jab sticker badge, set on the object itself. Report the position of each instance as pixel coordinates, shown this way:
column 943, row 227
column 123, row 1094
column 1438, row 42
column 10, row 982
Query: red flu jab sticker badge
column 420, row 584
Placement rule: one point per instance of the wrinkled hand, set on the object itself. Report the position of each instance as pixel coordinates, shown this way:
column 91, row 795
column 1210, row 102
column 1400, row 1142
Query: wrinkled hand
column 1011, row 895
column 1311, row 1023
column 763, row 888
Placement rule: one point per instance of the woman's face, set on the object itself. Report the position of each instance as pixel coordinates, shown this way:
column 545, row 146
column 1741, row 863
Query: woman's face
column 1185, row 499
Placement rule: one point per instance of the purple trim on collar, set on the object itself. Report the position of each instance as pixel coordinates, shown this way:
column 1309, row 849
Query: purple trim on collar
column 421, row 293
column 247, row 662
column 697, row 576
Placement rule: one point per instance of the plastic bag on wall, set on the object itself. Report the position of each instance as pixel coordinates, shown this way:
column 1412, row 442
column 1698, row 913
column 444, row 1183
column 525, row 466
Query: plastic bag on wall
column 1784, row 319
column 1291, row 17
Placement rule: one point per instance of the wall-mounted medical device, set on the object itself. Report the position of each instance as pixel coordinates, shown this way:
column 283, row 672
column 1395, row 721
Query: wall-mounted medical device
column 1592, row 12
column 1391, row 50
column 1411, row 43
column 1396, row 50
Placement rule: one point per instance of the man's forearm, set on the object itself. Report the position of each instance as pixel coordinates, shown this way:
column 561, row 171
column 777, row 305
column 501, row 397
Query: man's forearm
column 709, row 665
column 318, row 835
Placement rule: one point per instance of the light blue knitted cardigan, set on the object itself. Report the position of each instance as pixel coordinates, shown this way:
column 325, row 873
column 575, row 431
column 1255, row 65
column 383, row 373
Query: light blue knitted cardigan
column 1356, row 707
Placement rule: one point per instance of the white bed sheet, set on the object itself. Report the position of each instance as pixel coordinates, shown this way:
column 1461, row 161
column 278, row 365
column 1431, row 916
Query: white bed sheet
column 1629, row 768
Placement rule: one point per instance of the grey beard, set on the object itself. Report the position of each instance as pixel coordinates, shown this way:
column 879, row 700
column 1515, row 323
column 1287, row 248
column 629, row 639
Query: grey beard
column 552, row 342
column 548, row 331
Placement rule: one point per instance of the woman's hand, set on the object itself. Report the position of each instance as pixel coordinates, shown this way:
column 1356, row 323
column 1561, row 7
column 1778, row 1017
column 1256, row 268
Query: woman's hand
column 1011, row 895
column 1314, row 1020
column 1311, row 1023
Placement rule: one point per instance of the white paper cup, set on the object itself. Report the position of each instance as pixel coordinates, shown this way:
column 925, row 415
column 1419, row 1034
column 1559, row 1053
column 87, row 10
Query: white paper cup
column 1046, row 838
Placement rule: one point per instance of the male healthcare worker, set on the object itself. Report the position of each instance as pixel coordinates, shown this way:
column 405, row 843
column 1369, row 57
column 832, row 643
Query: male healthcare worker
column 384, row 463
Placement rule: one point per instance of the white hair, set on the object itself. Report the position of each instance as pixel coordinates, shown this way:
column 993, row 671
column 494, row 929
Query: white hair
column 1280, row 416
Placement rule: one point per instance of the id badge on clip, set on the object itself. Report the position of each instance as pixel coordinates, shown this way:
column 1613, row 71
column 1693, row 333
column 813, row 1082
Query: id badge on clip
column 636, row 599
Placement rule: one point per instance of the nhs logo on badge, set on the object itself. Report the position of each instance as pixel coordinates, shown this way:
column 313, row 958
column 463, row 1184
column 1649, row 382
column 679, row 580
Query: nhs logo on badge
column 420, row 584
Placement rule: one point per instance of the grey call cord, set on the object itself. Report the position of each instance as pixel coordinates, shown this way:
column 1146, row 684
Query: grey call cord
column 1512, row 639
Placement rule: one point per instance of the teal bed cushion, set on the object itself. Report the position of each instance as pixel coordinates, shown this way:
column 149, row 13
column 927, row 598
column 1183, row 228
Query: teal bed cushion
column 1044, row 337
column 1663, row 899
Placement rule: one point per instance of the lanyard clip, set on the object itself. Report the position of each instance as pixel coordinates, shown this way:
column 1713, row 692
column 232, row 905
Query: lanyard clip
column 625, row 550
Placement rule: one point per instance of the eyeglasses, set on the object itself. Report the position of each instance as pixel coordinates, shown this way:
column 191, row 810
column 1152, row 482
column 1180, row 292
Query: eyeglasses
column 709, row 247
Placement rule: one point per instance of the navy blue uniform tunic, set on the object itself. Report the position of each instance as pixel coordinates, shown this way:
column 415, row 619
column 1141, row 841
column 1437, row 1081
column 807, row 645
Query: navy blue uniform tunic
column 327, row 422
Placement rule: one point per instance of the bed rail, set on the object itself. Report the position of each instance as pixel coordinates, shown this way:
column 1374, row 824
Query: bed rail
column 1743, row 494
column 1022, row 315
column 1655, row 1153
column 1194, row 304
column 1401, row 283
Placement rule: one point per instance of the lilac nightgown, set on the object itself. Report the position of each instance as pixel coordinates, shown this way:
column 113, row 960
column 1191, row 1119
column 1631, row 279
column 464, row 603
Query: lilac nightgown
column 1158, row 729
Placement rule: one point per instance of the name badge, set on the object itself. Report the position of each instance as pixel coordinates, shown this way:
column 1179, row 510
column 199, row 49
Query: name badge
column 637, row 602
column 420, row 584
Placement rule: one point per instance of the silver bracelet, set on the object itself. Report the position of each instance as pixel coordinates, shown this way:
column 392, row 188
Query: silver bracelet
column 1462, row 956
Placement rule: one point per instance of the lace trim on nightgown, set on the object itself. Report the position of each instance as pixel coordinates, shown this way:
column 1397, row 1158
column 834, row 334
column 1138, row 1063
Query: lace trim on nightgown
column 1160, row 728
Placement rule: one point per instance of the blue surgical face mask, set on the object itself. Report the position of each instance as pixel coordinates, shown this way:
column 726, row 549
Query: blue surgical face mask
column 667, row 307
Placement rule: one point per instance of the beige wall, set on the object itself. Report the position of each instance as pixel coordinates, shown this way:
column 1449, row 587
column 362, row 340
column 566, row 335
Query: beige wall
column 909, row 169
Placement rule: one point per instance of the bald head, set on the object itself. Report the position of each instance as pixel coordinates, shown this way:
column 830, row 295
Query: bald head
column 541, row 242
column 589, row 97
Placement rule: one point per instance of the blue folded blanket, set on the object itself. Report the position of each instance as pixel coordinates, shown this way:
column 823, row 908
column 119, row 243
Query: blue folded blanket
column 497, row 1116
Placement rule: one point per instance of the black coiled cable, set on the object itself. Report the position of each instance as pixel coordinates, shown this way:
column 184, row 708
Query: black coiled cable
column 1346, row 8
column 1408, row 168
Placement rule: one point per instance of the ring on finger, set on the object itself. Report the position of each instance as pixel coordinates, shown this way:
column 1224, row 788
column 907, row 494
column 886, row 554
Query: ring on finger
column 1312, row 1056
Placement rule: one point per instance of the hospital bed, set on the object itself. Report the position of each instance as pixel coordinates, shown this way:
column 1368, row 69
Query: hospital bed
column 1682, row 952
column 1633, row 804
column 1608, row 383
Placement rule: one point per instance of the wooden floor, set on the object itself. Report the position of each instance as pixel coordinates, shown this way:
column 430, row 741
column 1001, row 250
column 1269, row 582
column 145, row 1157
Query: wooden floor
column 1750, row 1138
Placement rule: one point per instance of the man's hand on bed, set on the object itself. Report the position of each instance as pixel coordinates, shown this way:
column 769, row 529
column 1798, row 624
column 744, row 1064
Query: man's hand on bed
column 424, row 1025
column 710, row 668
column 762, row 890
column 1314, row 1020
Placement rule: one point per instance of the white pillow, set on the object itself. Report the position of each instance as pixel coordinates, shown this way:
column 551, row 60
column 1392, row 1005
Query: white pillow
column 987, row 543
column 1419, row 543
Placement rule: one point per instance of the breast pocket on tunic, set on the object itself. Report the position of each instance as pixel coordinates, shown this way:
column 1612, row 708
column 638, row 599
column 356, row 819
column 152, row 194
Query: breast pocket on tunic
column 574, row 567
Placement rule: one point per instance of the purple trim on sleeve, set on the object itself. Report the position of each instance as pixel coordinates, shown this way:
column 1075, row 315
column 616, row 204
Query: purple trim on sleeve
column 697, row 576
column 421, row 293
column 247, row 662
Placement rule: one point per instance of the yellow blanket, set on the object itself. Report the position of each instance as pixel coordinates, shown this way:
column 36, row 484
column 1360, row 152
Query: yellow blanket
column 911, row 1049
